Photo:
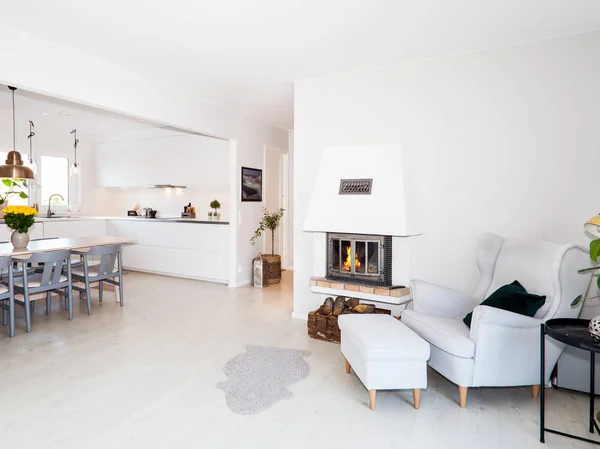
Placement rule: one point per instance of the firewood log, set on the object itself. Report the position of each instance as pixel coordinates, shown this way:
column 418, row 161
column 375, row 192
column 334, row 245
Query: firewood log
column 352, row 302
column 360, row 308
column 370, row 308
column 328, row 306
column 338, row 305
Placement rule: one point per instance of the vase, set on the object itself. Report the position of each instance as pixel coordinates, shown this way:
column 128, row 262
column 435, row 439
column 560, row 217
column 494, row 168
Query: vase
column 19, row 240
column 594, row 329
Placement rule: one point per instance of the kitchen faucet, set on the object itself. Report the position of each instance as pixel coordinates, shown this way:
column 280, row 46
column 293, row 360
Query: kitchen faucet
column 50, row 213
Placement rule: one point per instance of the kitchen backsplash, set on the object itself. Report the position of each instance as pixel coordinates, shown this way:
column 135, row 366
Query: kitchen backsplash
column 168, row 202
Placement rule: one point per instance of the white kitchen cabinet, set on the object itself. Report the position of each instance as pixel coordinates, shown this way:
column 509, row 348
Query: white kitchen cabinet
column 194, row 250
column 74, row 228
column 174, row 159
column 35, row 232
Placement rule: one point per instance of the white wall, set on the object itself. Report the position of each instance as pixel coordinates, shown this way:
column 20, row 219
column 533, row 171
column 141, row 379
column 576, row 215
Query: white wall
column 290, row 205
column 504, row 141
column 72, row 76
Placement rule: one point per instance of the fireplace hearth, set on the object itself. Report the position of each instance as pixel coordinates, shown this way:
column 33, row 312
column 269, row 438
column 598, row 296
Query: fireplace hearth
column 364, row 259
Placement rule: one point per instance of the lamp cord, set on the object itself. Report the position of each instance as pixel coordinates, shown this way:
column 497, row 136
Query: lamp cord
column 14, row 122
column 31, row 134
column 75, row 144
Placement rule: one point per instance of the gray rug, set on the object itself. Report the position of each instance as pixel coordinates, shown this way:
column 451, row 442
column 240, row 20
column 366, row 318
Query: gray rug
column 258, row 378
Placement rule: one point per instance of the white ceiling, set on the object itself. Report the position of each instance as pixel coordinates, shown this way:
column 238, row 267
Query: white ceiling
column 245, row 54
column 55, row 117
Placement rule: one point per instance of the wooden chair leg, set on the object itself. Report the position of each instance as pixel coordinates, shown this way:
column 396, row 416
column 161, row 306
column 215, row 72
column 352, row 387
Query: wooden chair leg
column 417, row 398
column 462, row 394
column 348, row 367
column 535, row 391
column 372, row 399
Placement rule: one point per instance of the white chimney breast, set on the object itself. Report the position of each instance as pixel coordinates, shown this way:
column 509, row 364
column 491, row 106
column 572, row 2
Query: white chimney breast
column 390, row 209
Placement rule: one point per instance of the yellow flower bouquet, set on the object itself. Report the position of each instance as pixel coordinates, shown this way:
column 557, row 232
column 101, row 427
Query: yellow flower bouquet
column 19, row 218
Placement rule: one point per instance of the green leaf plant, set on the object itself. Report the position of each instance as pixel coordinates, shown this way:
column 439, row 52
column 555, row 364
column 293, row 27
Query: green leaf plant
column 15, row 187
column 214, row 204
column 594, row 254
column 269, row 221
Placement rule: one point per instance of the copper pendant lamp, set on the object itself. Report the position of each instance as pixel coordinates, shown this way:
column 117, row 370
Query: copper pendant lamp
column 14, row 168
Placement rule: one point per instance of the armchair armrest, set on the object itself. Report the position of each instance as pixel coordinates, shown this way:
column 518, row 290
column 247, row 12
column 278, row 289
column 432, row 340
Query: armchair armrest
column 486, row 316
column 507, row 348
column 432, row 299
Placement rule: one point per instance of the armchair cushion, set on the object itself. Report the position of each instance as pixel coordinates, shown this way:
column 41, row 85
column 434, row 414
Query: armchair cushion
column 448, row 334
column 513, row 298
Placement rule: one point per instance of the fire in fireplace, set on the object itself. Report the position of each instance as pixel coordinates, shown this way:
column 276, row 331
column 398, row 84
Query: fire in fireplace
column 363, row 258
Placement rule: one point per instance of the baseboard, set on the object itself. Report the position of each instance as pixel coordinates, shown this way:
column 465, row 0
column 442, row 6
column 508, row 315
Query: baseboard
column 173, row 275
column 242, row 284
column 300, row 316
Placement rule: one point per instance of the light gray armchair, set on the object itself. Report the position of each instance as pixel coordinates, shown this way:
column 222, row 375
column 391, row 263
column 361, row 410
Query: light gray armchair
column 501, row 348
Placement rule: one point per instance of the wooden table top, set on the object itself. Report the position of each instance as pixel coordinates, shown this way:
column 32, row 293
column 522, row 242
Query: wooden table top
column 38, row 246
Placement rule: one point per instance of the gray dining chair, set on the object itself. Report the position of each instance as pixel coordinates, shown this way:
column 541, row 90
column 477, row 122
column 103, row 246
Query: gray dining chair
column 7, row 295
column 49, row 279
column 107, row 270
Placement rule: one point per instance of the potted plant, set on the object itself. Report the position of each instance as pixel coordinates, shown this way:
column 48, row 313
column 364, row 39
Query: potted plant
column 273, row 262
column 594, row 325
column 210, row 216
column 19, row 219
column 214, row 204
column 15, row 187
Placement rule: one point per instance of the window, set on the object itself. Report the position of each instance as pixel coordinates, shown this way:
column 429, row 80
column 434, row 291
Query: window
column 14, row 200
column 54, row 173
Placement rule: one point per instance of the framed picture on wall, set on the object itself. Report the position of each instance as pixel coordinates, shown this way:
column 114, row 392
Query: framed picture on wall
column 251, row 184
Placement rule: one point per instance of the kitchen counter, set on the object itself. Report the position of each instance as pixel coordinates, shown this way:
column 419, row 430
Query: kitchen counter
column 171, row 246
column 58, row 218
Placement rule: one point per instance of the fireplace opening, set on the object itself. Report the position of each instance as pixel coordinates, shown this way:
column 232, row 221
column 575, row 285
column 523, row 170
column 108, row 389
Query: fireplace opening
column 366, row 259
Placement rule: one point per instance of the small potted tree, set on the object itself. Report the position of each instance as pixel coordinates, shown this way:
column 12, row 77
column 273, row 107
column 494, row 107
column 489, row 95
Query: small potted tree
column 273, row 262
column 214, row 204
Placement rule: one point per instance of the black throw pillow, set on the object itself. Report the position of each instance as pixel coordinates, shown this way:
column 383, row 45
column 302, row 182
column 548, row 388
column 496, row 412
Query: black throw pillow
column 514, row 298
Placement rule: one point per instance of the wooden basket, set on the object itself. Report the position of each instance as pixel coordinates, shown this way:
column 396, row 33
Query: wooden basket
column 325, row 327
column 272, row 268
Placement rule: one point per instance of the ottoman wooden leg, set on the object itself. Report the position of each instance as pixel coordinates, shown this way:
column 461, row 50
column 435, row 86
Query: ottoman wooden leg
column 347, row 366
column 372, row 397
column 535, row 391
column 417, row 397
column 462, row 394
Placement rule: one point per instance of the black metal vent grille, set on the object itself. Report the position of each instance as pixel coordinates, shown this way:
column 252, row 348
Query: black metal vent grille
column 356, row 186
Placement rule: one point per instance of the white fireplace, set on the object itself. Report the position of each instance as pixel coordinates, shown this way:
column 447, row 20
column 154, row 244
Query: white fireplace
column 362, row 210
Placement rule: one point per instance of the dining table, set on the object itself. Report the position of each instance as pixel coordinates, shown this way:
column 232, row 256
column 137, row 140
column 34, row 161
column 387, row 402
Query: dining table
column 59, row 244
column 62, row 243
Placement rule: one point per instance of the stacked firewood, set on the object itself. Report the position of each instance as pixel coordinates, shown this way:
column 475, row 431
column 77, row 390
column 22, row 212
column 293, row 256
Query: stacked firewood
column 323, row 323
column 341, row 305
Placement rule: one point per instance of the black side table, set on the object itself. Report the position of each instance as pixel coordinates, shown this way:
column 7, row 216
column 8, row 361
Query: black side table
column 572, row 332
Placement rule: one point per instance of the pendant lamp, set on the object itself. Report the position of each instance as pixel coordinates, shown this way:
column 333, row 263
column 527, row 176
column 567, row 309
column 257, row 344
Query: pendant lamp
column 32, row 163
column 14, row 168
column 74, row 169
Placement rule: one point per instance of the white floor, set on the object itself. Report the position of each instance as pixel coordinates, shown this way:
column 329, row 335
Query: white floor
column 144, row 376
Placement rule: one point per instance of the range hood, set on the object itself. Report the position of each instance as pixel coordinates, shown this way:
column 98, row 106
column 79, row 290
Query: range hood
column 364, row 189
column 166, row 186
